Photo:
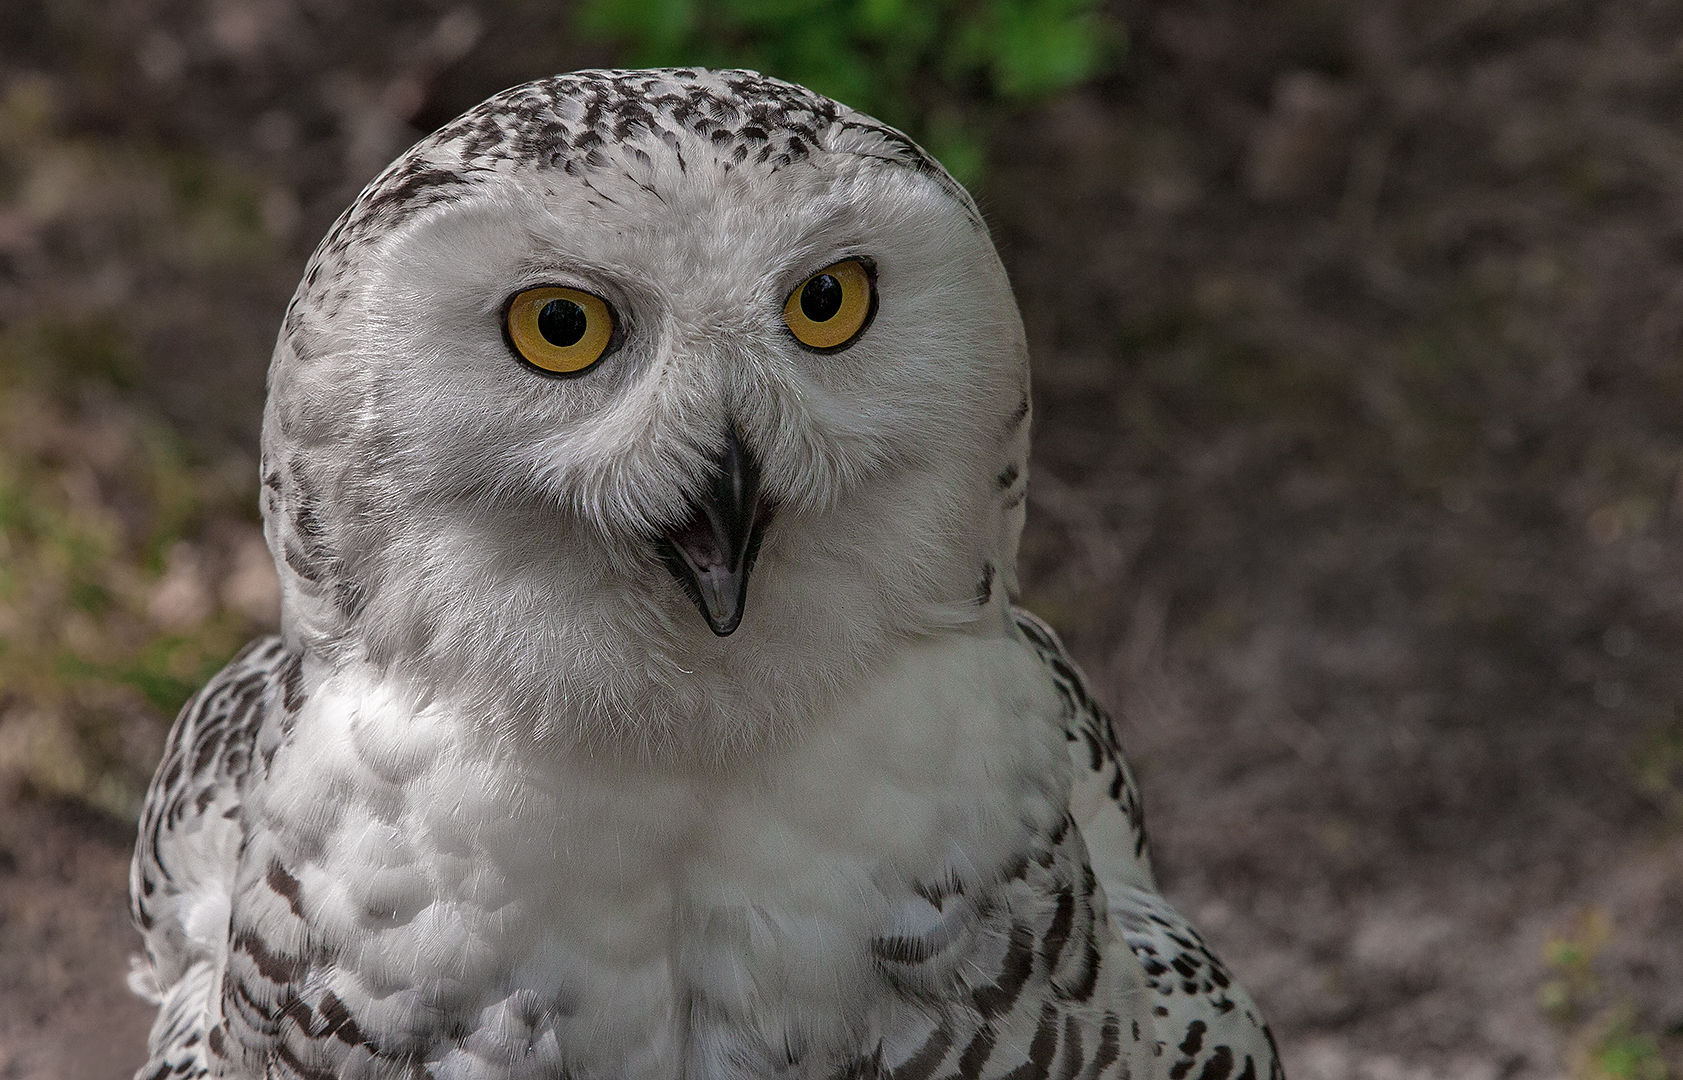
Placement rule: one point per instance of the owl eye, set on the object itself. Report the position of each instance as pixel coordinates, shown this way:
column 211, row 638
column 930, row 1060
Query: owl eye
column 831, row 308
column 561, row 331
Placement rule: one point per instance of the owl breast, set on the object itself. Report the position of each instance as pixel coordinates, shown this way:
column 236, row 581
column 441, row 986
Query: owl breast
column 416, row 891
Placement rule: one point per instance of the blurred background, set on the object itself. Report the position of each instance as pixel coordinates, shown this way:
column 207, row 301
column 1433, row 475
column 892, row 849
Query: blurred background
column 1358, row 477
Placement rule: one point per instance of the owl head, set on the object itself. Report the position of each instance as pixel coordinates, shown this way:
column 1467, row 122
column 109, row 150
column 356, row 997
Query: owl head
column 645, row 412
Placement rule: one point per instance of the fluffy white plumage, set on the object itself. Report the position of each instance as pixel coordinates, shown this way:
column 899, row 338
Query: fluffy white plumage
column 515, row 795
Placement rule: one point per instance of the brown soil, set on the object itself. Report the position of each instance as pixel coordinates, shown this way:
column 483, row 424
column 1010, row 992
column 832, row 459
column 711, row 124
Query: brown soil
column 65, row 1009
column 1358, row 330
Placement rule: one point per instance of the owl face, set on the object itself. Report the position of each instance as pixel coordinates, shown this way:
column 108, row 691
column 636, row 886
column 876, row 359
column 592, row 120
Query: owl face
column 642, row 428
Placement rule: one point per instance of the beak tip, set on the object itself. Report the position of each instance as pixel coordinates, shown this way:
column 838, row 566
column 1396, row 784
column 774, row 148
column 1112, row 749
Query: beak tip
column 722, row 603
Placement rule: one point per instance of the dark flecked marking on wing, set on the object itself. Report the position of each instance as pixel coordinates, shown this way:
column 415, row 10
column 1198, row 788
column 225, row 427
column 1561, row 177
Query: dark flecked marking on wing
column 286, row 886
column 938, row 892
column 1042, row 1048
column 1057, row 934
column 903, row 950
column 284, row 1057
column 1109, row 1049
column 922, row 1065
column 1072, row 1059
column 292, row 683
column 996, row 997
column 977, row 1052
column 276, row 967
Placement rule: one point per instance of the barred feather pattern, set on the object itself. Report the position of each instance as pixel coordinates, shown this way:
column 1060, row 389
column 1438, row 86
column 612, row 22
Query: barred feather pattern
column 1051, row 1004
column 1207, row 1026
column 191, row 832
column 1016, row 972
column 1013, row 973
column 1013, row 983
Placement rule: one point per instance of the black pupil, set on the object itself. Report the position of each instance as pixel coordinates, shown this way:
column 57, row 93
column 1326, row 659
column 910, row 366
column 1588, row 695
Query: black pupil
column 561, row 322
column 821, row 298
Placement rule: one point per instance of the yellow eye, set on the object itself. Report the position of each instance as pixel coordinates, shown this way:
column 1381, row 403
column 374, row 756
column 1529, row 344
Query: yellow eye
column 559, row 330
column 832, row 307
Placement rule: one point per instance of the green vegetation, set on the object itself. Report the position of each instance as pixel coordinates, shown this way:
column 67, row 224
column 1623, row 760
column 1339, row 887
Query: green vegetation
column 107, row 620
column 1605, row 1040
column 128, row 572
column 931, row 67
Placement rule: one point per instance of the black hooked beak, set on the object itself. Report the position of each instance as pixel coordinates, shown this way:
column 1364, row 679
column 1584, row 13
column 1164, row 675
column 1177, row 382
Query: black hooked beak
column 712, row 553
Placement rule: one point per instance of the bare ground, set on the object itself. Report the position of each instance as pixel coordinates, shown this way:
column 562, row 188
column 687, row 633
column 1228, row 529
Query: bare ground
column 1357, row 481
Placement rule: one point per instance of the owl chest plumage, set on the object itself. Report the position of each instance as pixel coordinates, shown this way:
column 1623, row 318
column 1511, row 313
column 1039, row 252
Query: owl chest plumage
column 412, row 893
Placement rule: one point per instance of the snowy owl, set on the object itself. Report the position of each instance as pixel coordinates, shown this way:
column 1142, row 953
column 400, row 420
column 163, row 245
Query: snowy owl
column 644, row 464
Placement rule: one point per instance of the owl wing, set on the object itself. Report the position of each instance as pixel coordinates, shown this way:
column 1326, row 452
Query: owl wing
column 182, row 878
column 1206, row 1025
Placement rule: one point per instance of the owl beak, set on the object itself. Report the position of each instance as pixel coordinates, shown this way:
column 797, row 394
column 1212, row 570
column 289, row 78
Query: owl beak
column 712, row 553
